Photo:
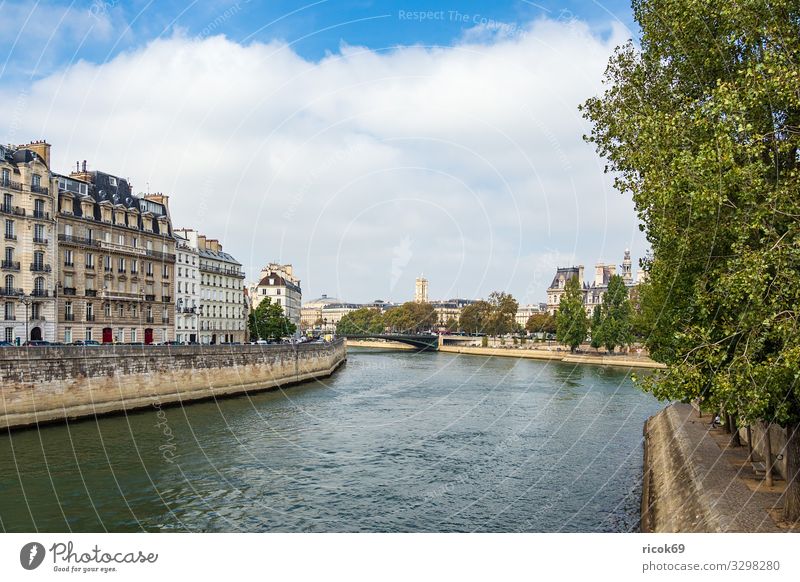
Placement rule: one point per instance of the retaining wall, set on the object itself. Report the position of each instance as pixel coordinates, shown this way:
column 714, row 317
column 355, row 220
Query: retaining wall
column 45, row 384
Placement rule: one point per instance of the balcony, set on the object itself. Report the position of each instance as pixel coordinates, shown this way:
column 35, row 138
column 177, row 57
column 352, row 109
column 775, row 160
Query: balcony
column 41, row 214
column 11, row 236
column 40, row 293
column 70, row 291
column 121, row 271
column 10, row 265
column 69, row 317
column 78, row 240
column 166, row 299
column 10, row 291
column 38, row 240
column 69, row 264
column 150, row 298
column 13, row 210
column 165, row 320
column 109, row 269
column 36, row 189
column 90, row 317
column 89, row 267
column 37, row 317
column 10, row 317
column 90, row 292
column 11, row 185
column 40, row 268
column 149, row 319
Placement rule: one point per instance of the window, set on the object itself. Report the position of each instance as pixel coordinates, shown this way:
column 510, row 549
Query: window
column 67, row 228
column 10, row 229
column 36, row 180
column 107, row 261
column 119, row 336
column 9, row 283
column 150, row 269
column 8, row 201
column 107, row 309
column 89, row 311
column 90, row 234
column 38, row 285
column 135, row 242
column 6, row 178
column 88, row 333
column 68, row 258
column 134, row 266
column 67, row 335
column 68, row 310
column 90, row 260
column 9, row 330
column 121, row 239
column 8, row 311
column 121, row 265
column 133, row 335
column 38, row 232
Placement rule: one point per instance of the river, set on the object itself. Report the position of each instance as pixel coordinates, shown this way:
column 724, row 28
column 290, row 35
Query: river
column 393, row 441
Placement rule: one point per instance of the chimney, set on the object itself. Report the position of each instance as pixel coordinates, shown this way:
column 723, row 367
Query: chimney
column 84, row 166
column 580, row 275
column 41, row 148
column 598, row 274
column 158, row 197
column 201, row 242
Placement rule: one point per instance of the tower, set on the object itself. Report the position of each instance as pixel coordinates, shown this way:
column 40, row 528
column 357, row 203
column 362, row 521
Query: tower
column 627, row 276
column 421, row 290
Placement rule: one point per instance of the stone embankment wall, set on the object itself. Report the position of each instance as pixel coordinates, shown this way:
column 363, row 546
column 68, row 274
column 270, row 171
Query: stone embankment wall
column 45, row 384
column 567, row 357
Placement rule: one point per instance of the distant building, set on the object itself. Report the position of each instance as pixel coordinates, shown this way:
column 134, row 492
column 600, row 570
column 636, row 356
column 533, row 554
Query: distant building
column 592, row 292
column 27, row 273
column 421, row 290
column 311, row 312
column 449, row 309
column 524, row 312
column 281, row 286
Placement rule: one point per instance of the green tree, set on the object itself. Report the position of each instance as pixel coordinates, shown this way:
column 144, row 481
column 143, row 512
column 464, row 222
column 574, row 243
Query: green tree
column 615, row 324
column 361, row 321
column 475, row 317
column 541, row 323
column 597, row 327
column 268, row 322
column 502, row 315
column 411, row 317
column 701, row 126
column 572, row 324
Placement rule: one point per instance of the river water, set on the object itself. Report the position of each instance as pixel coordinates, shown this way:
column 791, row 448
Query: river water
column 393, row 441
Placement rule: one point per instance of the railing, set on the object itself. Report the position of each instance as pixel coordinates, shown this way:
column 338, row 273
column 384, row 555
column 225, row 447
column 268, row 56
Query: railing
column 109, row 269
column 37, row 317
column 13, row 185
column 89, row 267
column 165, row 320
column 150, row 298
column 69, row 264
column 10, row 291
column 40, row 293
column 90, row 317
column 121, row 271
column 224, row 271
column 40, row 268
column 41, row 214
column 11, row 236
column 166, row 299
column 40, row 189
column 40, row 241
column 10, row 317
column 90, row 292
column 10, row 265
column 9, row 209
column 78, row 240
column 69, row 317
column 149, row 319
column 70, row 291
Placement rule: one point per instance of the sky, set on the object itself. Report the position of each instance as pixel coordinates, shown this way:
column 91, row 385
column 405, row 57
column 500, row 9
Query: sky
column 366, row 143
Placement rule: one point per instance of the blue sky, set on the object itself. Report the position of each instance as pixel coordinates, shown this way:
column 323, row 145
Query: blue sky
column 357, row 140
column 43, row 36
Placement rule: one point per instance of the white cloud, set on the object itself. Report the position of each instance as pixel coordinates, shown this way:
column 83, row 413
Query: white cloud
column 473, row 153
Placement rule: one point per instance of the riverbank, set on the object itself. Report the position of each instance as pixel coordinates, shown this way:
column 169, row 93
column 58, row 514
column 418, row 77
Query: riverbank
column 621, row 360
column 51, row 384
column 383, row 345
column 694, row 481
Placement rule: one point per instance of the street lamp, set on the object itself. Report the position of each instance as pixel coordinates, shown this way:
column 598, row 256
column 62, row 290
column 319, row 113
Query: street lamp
column 26, row 300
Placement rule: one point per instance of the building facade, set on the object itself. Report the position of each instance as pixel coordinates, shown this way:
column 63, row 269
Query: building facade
column 281, row 286
column 28, row 285
column 449, row 310
column 187, row 289
column 592, row 292
column 524, row 313
column 116, row 262
column 221, row 304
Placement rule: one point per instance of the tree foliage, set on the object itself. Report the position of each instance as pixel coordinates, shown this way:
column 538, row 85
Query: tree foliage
column 411, row 317
column 615, row 327
column 541, row 323
column 572, row 325
column 596, row 327
column 361, row 321
column 267, row 321
column 475, row 317
column 702, row 128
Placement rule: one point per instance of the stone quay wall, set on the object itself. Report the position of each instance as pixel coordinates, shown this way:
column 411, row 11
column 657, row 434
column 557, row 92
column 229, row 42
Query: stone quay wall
column 45, row 384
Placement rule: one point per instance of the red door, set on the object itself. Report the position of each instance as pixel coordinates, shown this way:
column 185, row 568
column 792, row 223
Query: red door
column 108, row 336
column 148, row 336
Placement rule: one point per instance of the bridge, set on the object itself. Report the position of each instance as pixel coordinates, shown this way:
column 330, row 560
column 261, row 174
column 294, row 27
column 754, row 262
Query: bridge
column 424, row 342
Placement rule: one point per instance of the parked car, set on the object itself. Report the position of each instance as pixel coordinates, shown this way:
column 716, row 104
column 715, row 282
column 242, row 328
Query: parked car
column 86, row 343
column 5, row 344
column 36, row 343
